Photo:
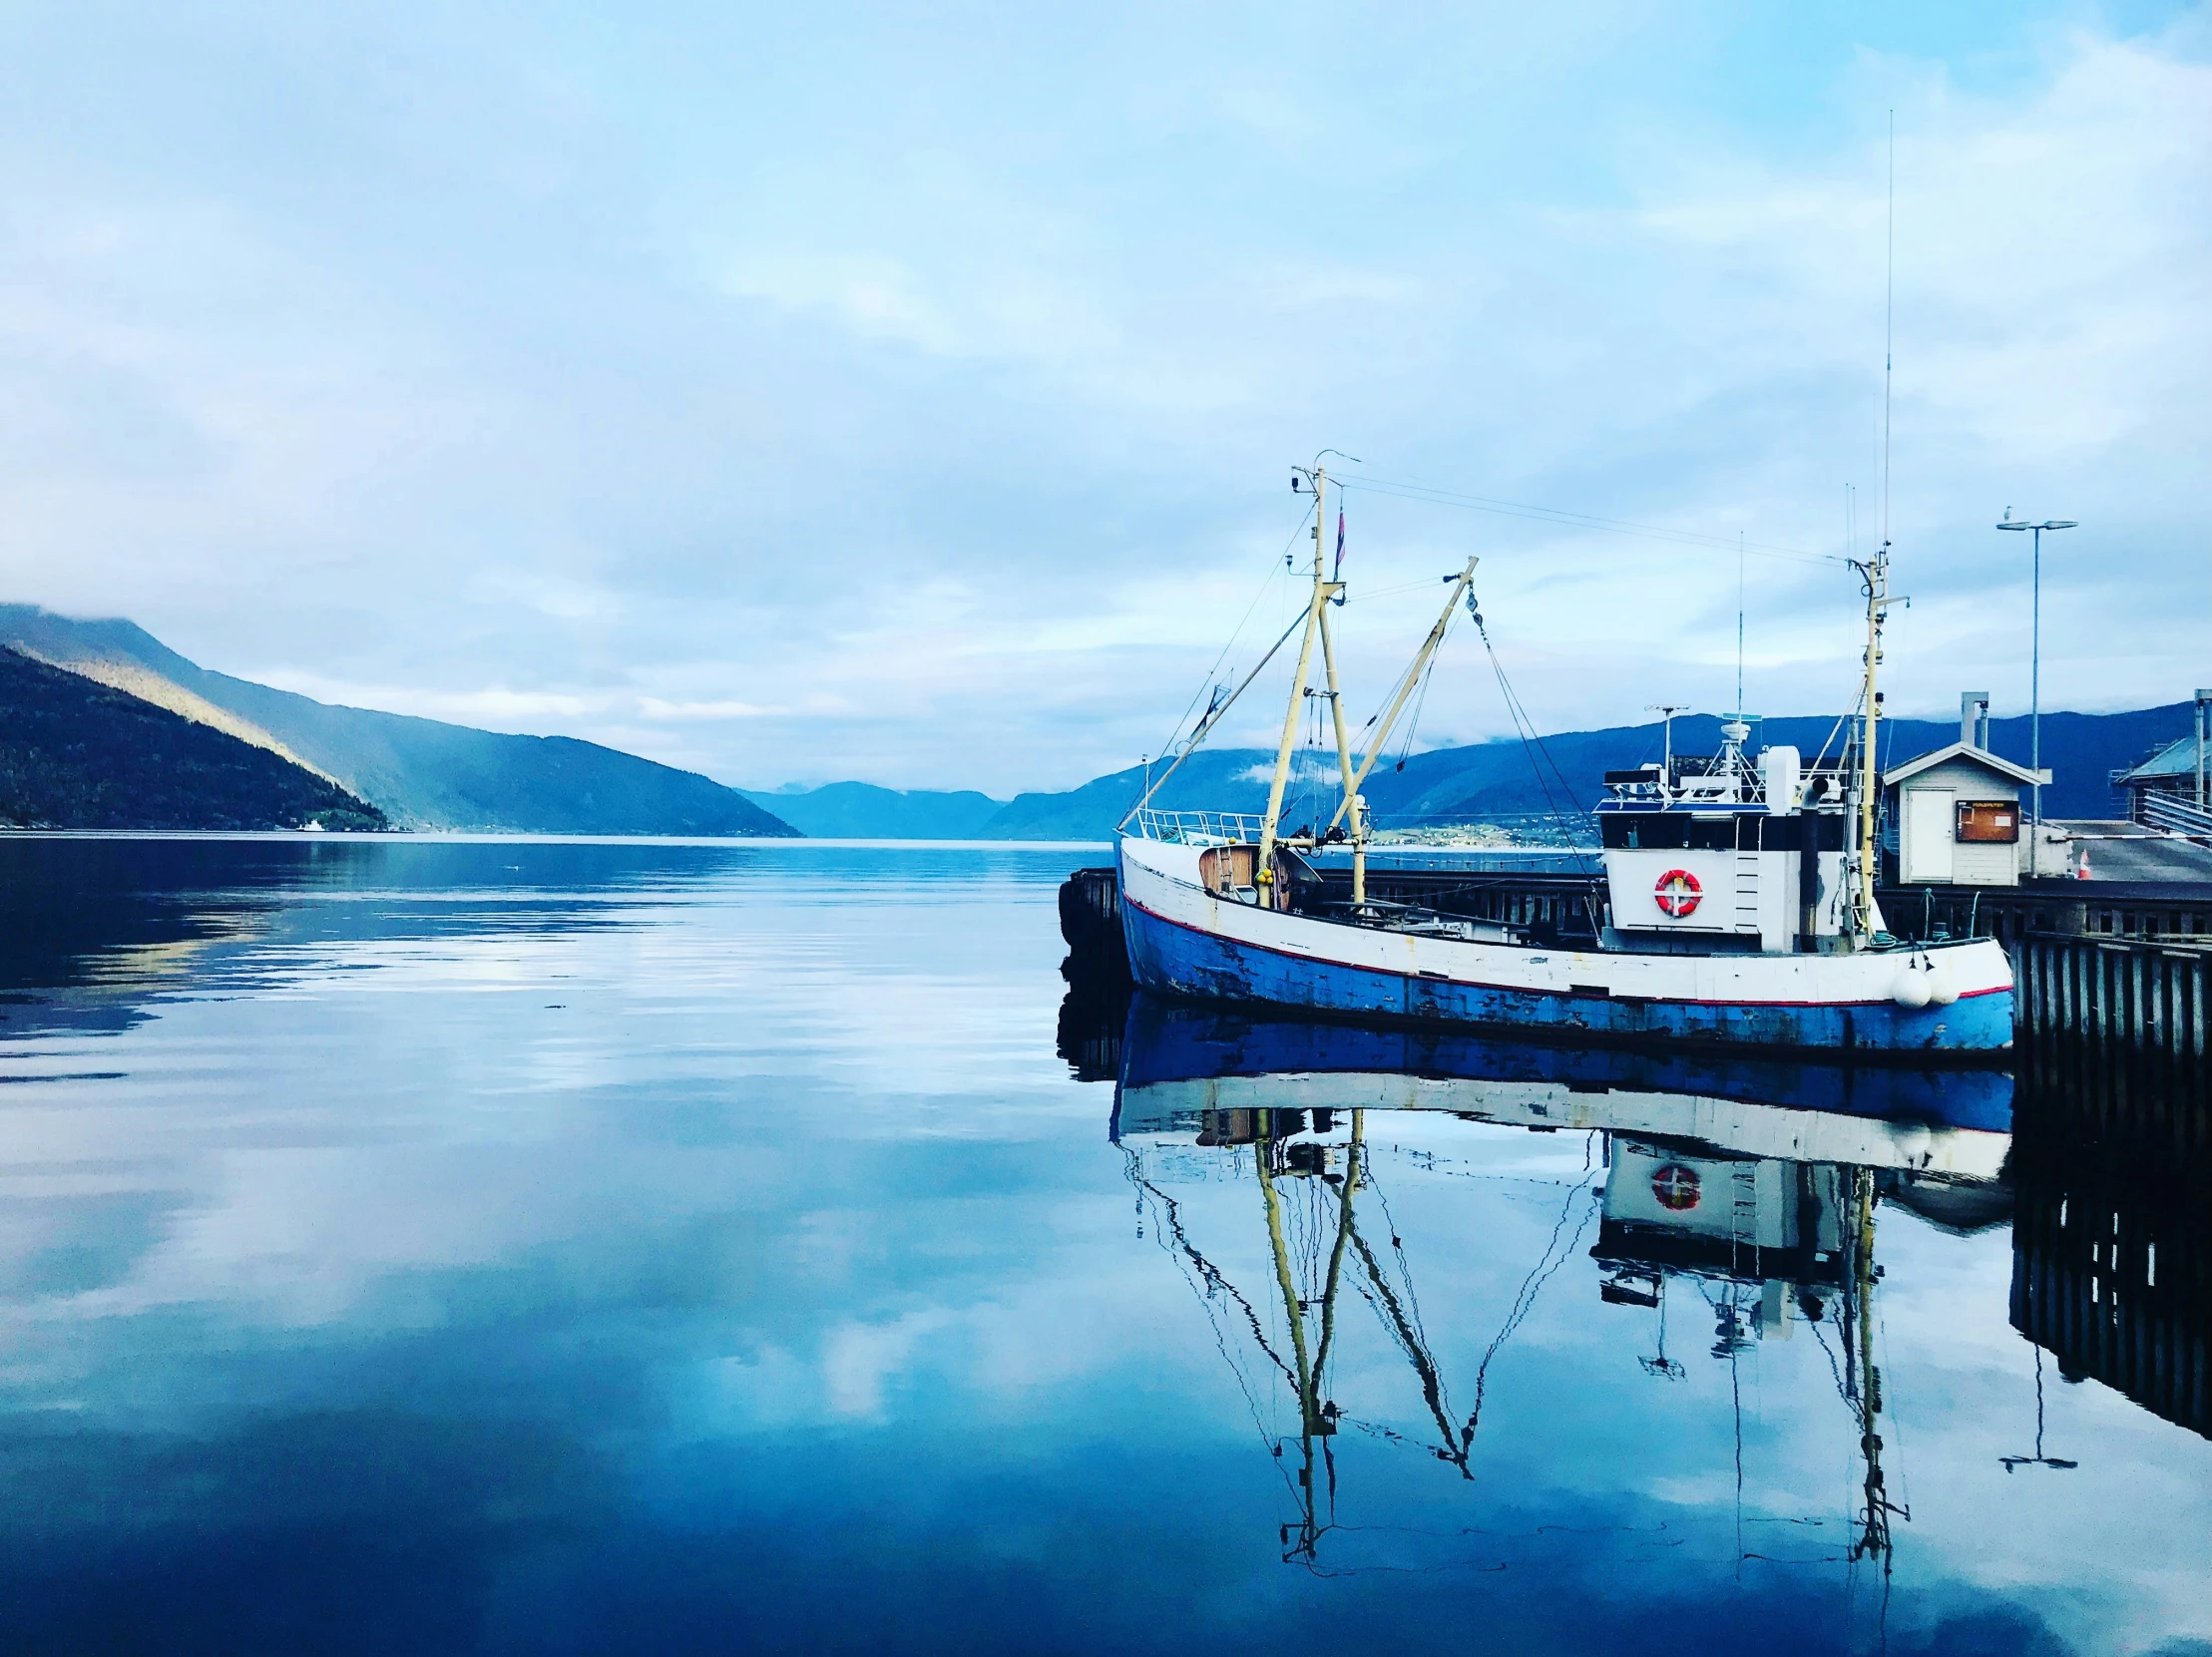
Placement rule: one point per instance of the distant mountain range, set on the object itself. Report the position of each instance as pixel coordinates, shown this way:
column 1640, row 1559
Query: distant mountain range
column 863, row 811
column 78, row 754
column 421, row 774
column 1478, row 782
column 1497, row 781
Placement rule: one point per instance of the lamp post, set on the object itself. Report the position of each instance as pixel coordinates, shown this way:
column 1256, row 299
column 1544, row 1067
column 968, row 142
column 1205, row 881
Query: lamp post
column 2036, row 682
column 2204, row 705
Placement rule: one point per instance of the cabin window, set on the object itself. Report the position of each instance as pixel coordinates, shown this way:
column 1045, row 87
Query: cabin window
column 1989, row 822
column 1640, row 831
column 1747, row 831
column 1717, row 835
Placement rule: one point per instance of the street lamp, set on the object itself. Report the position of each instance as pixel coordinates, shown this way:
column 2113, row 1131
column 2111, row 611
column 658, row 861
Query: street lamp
column 2036, row 683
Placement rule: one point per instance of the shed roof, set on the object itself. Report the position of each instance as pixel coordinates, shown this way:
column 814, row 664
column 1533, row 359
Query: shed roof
column 2177, row 759
column 1970, row 755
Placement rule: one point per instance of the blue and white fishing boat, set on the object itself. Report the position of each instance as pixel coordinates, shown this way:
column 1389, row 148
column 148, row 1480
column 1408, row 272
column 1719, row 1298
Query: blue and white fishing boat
column 1737, row 898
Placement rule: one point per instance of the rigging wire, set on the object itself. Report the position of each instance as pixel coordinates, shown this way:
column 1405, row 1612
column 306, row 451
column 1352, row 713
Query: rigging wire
column 1420, row 701
column 1266, row 585
column 1406, row 490
column 1196, row 1269
column 1531, row 743
column 1541, row 1273
column 1427, row 583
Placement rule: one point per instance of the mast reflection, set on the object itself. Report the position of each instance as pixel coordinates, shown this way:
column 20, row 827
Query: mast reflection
column 1752, row 1186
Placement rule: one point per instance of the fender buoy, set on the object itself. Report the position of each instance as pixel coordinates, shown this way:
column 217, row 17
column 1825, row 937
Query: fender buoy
column 1911, row 989
column 1942, row 991
column 1913, row 1144
column 1677, row 892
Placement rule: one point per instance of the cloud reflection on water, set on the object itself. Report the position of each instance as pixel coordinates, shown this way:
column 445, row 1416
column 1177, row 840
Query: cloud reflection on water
column 690, row 1247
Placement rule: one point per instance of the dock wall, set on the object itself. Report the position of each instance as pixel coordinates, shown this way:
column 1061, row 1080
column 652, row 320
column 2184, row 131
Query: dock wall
column 2062, row 908
column 2111, row 1235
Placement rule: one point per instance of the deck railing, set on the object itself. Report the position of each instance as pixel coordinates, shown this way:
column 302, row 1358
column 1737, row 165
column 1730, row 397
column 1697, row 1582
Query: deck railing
column 1197, row 828
column 2172, row 814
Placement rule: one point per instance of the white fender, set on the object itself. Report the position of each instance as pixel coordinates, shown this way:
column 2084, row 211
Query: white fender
column 1913, row 1144
column 1942, row 991
column 1911, row 988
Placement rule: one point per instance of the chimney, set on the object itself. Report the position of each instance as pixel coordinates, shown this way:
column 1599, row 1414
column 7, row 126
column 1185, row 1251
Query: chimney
column 1973, row 718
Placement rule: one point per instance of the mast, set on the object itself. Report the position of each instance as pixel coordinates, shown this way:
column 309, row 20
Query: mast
column 1387, row 720
column 1344, row 1230
column 1873, row 1537
column 1876, row 576
column 1323, row 590
column 1316, row 1416
column 1358, row 823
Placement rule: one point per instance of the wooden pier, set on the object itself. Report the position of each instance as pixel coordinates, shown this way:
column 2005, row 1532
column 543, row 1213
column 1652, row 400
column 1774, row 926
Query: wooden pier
column 2131, row 1012
column 2062, row 908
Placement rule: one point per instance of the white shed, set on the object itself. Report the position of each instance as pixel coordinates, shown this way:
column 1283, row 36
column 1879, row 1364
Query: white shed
column 1957, row 810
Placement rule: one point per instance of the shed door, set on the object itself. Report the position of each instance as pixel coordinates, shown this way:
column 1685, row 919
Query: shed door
column 1929, row 818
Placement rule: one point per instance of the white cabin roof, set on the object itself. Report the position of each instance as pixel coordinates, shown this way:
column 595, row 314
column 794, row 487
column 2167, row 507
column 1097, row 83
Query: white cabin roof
column 1965, row 754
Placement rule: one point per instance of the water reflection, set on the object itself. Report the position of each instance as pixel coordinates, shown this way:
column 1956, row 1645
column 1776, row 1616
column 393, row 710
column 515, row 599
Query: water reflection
column 1746, row 1189
column 2112, row 1230
column 518, row 1247
column 96, row 929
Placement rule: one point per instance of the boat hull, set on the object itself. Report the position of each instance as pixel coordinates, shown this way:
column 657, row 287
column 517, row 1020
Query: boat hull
column 1186, row 940
column 1183, row 1068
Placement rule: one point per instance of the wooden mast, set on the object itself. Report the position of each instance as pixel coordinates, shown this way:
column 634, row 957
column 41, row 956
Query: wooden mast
column 1389, row 718
column 1350, row 806
column 1323, row 591
column 1876, row 575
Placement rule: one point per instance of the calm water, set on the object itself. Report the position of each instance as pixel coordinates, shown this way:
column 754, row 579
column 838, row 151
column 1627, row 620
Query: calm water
column 526, row 1247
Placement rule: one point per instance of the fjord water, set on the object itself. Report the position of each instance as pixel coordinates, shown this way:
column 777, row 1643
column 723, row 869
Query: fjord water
column 558, row 1247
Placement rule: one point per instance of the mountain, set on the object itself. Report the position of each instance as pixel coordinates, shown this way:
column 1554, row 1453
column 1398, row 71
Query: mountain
column 863, row 811
column 1488, row 781
column 423, row 775
column 78, row 754
column 426, row 774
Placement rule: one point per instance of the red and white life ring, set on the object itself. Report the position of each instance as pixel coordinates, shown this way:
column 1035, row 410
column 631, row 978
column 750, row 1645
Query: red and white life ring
column 1678, row 893
column 1676, row 1187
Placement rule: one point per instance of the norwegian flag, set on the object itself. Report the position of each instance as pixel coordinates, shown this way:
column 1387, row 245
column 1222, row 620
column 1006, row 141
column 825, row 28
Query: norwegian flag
column 1339, row 545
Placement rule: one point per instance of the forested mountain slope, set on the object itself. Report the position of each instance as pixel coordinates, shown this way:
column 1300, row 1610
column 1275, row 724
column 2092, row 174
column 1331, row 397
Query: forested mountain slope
column 423, row 773
column 78, row 754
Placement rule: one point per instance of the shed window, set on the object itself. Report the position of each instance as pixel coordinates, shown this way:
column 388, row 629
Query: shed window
column 1989, row 822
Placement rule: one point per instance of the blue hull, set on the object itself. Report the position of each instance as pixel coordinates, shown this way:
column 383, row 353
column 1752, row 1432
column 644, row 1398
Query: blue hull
column 1173, row 960
column 1169, row 1042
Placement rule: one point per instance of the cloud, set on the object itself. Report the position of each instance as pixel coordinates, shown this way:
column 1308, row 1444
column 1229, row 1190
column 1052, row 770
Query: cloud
column 923, row 413
column 652, row 708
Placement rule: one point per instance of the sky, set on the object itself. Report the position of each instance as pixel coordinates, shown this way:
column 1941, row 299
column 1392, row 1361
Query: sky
column 910, row 394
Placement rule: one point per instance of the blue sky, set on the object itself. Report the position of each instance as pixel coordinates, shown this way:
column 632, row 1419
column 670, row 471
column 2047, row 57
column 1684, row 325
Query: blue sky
column 909, row 395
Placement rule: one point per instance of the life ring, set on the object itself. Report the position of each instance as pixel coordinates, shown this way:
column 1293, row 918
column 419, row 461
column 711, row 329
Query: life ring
column 1678, row 893
column 1676, row 1188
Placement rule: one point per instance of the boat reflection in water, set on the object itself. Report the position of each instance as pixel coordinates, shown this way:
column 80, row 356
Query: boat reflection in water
column 1750, row 1186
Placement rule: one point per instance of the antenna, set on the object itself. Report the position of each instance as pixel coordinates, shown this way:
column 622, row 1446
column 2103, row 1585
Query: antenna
column 1666, row 713
column 1889, row 327
column 1739, row 625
